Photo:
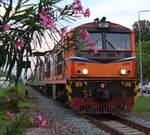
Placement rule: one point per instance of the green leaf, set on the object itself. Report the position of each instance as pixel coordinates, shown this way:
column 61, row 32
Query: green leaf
column 8, row 11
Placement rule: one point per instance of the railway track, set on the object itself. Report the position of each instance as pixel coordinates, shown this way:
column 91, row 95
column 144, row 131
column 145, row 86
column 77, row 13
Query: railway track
column 116, row 125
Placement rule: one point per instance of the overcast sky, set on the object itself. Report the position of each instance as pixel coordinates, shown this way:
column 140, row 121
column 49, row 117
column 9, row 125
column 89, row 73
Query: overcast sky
column 124, row 12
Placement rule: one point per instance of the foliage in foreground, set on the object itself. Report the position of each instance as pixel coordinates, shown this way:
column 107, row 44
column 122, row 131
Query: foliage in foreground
column 24, row 26
column 14, row 122
column 17, row 126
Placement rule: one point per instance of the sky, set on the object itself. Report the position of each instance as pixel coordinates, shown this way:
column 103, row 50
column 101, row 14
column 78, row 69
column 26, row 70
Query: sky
column 124, row 12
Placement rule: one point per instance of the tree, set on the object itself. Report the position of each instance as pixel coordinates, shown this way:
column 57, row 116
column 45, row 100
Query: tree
column 146, row 59
column 144, row 29
column 145, row 46
column 24, row 23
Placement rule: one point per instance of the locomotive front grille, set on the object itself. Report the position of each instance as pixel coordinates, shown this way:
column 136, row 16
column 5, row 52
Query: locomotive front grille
column 102, row 94
column 103, row 90
column 103, row 108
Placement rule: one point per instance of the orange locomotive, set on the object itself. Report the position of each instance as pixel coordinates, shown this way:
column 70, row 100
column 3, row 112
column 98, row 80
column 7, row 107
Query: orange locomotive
column 94, row 75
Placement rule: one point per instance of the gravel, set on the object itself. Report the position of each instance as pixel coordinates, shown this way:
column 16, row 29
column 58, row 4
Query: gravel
column 62, row 120
column 136, row 119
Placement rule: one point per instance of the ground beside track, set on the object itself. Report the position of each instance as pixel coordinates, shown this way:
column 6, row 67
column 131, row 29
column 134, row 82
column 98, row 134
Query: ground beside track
column 62, row 120
column 145, row 116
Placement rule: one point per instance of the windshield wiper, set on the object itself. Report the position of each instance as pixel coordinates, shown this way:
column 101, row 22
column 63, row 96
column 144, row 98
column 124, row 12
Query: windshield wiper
column 111, row 45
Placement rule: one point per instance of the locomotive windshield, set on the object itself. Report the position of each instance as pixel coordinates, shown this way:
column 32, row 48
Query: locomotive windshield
column 118, row 41
column 104, row 46
column 96, row 38
column 93, row 39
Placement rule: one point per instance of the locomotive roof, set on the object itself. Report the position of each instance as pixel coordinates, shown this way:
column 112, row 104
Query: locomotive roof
column 114, row 27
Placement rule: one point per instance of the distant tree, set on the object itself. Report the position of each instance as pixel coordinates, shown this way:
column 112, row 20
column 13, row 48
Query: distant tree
column 145, row 46
column 144, row 29
column 145, row 60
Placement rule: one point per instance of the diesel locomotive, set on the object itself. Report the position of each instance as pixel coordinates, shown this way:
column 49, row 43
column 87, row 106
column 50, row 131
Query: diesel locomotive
column 94, row 71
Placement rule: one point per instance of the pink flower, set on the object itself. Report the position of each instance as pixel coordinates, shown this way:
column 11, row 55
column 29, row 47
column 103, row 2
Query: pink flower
column 77, row 7
column 47, row 21
column 87, row 12
column 42, row 121
column 9, row 117
column 84, row 35
column 40, row 117
column 20, row 43
column 93, row 47
column 42, row 15
column 6, row 27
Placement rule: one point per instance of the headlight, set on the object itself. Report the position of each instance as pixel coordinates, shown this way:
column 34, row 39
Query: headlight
column 123, row 71
column 103, row 24
column 85, row 71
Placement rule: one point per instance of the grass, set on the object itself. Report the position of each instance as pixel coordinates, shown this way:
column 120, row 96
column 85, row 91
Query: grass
column 20, row 120
column 142, row 105
column 23, row 103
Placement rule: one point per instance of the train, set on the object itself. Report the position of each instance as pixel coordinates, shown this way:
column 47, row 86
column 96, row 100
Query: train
column 93, row 69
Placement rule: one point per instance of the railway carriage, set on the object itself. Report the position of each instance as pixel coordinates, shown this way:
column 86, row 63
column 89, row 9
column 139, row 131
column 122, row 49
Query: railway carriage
column 95, row 74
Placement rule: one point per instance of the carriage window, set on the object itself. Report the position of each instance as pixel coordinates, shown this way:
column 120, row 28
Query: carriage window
column 118, row 41
column 60, row 57
column 48, row 69
column 59, row 63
